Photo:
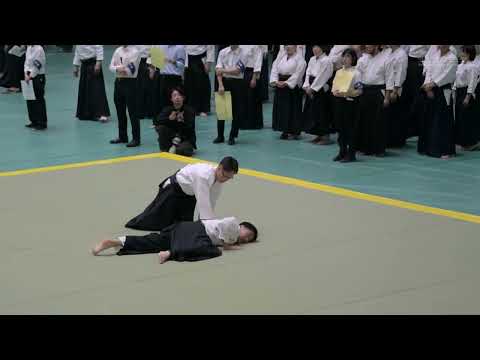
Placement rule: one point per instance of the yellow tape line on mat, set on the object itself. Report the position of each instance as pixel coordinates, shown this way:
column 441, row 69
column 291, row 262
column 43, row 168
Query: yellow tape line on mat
column 266, row 176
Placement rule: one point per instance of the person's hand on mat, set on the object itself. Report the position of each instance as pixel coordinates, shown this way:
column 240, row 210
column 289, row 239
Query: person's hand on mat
column 253, row 82
column 98, row 66
column 221, row 90
column 75, row 71
column 231, row 247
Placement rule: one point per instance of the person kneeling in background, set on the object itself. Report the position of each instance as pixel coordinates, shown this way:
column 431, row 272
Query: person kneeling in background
column 175, row 126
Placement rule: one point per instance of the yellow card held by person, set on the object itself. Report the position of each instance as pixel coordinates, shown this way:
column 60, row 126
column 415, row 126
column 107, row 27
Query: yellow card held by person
column 342, row 81
column 157, row 56
column 223, row 106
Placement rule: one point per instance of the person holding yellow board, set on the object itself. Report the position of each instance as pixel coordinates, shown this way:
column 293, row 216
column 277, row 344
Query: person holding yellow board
column 230, row 70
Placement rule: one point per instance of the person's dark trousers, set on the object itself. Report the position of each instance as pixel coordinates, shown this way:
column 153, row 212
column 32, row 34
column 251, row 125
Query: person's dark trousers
column 125, row 98
column 37, row 110
column 165, row 137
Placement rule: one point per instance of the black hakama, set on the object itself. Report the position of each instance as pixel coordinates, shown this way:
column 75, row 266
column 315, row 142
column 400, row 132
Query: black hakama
column 466, row 120
column 162, row 84
column 197, row 84
column 3, row 58
column 411, row 90
column 144, row 91
column 287, row 109
column 171, row 205
column 264, row 74
column 254, row 109
column 186, row 241
column 397, row 126
column 238, row 91
column 372, row 124
column 92, row 97
column 37, row 110
column 436, row 127
column 316, row 113
column 14, row 70
column 346, row 118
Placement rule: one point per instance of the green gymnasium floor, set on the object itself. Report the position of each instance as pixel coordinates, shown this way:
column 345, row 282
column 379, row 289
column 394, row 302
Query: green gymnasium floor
column 404, row 175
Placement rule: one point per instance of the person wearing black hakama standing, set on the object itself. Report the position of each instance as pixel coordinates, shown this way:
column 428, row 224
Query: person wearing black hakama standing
column 397, row 112
column 413, row 82
column 264, row 74
column 144, row 85
column 196, row 185
column 3, row 57
column 186, row 240
column 175, row 126
column 254, row 108
column 286, row 77
column 34, row 71
column 167, row 78
column 14, row 66
column 345, row 109
column 436, row 127
column 124, row 65
column 476, row 63
column 375, row 69
column 230, row 70
column 198, row 88
column 316, row 112
column 466, row 104
column 92, row 103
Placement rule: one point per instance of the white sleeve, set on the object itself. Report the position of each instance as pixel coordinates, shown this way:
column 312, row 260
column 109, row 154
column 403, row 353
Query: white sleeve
column 402, row 76
column 306, row 83
column 448, row 73
column 258, row 59
column 325, row 74
column 472, row 80
column 76, row 57
column 99, row 52
column 210, row 53
column 390, row 69
column 274, row 72
column 220, row 64
column 37, row 62
column 201, row 189
column 113, row 64
column 293, row 80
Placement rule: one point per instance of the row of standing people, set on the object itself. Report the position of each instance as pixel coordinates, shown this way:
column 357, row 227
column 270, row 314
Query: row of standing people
column 395, row 94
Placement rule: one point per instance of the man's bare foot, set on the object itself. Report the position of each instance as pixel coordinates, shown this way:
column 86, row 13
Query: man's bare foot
column 103, row 245
column 163, row 256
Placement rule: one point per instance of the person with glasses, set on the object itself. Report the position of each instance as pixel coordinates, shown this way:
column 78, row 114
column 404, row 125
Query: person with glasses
column 186, row 241
column 195, row 185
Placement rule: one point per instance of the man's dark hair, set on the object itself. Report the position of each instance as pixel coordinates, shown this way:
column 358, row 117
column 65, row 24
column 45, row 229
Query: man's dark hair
column 252, row 228
column 470, row 51
column 353, row 55
column 229, row 164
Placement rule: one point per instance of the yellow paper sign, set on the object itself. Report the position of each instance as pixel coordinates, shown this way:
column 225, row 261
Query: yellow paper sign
column 342, row 81
column 223, row 106
column 157, row 56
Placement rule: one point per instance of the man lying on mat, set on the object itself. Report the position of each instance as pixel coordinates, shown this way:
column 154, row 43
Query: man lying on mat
column 186, row 241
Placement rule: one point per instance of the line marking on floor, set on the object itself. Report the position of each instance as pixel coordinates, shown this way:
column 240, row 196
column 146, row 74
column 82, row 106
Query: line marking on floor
column 265, row 176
